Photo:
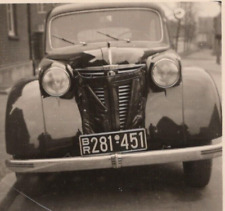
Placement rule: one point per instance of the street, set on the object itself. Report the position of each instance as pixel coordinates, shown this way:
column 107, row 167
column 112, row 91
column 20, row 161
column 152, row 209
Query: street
column 156, row 187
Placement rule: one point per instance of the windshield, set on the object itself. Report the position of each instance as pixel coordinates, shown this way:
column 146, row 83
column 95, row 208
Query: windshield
column 105, row 25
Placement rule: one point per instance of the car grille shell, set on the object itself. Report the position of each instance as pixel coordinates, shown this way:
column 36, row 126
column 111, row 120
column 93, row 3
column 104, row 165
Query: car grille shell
column 122, row 86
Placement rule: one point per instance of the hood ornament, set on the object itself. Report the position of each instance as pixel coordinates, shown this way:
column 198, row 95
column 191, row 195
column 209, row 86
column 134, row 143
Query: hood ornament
column 109, row 53
column 111, row 69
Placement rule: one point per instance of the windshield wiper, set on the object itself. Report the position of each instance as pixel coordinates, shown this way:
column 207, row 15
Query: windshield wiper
column 115, row 38
column 69, row 41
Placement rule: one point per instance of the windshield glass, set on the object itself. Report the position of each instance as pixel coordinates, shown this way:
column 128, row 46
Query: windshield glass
column 105, row 25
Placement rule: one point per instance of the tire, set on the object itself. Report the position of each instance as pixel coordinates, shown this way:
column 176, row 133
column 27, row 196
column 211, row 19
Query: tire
column 197, row 173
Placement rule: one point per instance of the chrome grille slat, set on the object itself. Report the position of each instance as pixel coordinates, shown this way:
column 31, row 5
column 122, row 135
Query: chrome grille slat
column 124, row 90
column 124, row 97
column 122, row 119
column 123, row 104
column 93, row 72
column 122, row 108
column 122, row 112
column 100, row 95
column 122, row 116
column 123, row 101
column 123, row 93
column 123, row 86
column 126, row 71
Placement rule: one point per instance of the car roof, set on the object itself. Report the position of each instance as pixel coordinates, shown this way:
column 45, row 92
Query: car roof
column 93, row 6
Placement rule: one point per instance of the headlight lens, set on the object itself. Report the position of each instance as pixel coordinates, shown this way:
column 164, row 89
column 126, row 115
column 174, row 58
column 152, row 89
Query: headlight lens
column 165, row 73
column 56, row 81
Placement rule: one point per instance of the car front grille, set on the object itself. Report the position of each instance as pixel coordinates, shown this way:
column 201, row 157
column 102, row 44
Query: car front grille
column 123, row 89
column 123, row 92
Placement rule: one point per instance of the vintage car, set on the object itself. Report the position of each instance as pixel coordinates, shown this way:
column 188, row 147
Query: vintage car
column 112, row 93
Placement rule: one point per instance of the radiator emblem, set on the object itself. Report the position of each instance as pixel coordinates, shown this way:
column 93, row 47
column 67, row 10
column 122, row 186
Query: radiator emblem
column 111, row 73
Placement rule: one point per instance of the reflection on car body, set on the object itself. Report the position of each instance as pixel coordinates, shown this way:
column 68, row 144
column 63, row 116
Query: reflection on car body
column 112, row 93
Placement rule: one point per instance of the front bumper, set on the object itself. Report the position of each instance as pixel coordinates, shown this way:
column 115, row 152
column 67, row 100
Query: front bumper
column 116, row 160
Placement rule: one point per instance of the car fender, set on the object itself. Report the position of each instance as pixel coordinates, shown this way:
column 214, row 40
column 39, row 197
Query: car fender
column 163, row 117
column 38, row 126
column 201, row 105
column 185, row 115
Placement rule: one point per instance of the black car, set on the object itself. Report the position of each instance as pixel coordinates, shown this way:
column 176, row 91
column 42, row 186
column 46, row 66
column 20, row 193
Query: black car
column 112, row 93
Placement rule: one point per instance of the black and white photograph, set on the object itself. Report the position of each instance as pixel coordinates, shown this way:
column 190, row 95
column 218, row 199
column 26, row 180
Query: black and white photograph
column 111, row 105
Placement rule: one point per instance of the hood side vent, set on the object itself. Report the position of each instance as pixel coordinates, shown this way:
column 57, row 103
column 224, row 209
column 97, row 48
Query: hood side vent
column 124, row 98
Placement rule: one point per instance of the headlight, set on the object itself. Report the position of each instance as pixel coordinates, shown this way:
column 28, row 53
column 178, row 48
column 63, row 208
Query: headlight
column 165, row 73
column 56, row 81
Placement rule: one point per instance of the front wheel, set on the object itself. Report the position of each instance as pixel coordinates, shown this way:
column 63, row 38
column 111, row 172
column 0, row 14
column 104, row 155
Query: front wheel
column 197, row 173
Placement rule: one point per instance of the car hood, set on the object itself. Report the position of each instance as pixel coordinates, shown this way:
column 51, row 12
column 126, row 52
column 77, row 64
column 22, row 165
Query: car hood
column 91, row 56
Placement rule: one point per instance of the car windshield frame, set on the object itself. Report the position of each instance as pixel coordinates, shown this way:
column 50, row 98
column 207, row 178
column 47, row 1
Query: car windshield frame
column 103, row 10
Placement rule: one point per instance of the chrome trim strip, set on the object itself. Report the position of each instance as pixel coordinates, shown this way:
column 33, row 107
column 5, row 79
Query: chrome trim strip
column 116, row 160
column 109, row 67
column 92, row 74
column 211, row 151
column 110, row 55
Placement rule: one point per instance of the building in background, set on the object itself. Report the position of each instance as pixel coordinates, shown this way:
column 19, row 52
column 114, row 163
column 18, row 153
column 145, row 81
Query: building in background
column 200, row 27
column 19, row 25
column 218, row 37
column 22, row 25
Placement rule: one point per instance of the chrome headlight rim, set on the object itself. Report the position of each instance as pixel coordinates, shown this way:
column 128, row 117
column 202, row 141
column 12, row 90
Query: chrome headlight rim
column 63, row 69
column 176, row 63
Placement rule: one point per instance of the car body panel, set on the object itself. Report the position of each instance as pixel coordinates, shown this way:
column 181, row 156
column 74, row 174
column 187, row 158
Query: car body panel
column 184, row 115
column 59, row 125
column 36, row 126
column 202, row 106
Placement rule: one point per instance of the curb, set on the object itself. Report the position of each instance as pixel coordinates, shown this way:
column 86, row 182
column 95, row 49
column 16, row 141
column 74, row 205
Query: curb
column 7, row 193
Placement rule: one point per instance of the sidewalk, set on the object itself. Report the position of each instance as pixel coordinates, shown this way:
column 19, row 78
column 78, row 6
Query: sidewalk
column 7, row 193
column 11, row 73
column 202, row 58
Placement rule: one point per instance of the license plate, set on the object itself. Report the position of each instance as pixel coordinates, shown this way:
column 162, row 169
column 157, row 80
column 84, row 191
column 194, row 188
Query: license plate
column 119, row 141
